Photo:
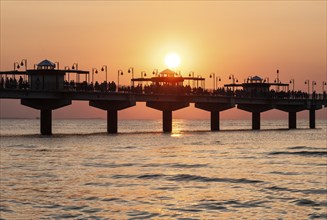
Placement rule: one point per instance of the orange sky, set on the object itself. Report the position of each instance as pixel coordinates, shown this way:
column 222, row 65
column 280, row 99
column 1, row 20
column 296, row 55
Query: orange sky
column 240, row 38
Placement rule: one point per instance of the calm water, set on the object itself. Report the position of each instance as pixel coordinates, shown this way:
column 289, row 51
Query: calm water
column 83, row 173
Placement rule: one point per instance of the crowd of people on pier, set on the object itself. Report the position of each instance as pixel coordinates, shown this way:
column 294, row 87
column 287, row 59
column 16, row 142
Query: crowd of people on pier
column 13, row 83
column 84, row 86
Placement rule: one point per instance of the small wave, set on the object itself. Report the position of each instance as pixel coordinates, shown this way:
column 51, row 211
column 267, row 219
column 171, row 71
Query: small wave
column 211, row 206
column 176, row 165
column 318, row 216
column 185, row 210
column 69, row 216
column 167, row 188
column 305, row 147
column 5, row 209
column 151, row 176
column 121, row 176
column 305, row 191
column 135, row 214
column 110, row 165
column 305, row 202
column 54, row 206
column 92, row 210
column 92, row 198
column 73, row 208
column 285, row 173
column 315, row 191
column 114, row 200
column 187, row 177
column 98, row 184
column 300, row 153
column 277, row 188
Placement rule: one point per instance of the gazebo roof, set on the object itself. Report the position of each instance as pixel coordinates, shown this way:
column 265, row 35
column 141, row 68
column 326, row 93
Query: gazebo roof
column 167, row 72
column 256, row 78
column 46, row 63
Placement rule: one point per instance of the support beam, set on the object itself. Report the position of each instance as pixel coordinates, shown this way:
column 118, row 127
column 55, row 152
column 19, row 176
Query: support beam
column 45, row 106
column 214, row 120
column 312, row 118
column 112, row 108
column 292, row 120
column 256, row 120
column 256, row 110
column 167, row 121
column 167, row 109
column 214, row 109
column 46, row 121
column 112, row 121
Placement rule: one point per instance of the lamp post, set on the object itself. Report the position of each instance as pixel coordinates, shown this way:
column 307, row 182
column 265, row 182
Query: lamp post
column 202, row 83
column 266, row 80
column 213, row 76
column 120, row 72
column 105, row 68
column 277, row 76
column 307, row 82
column 191, row 74
column 143, row 74
column 313, row 84
column 57, row 65
column 277, row 80
column 293, row 83
column 155, row 72
column 218, row 79
column 232, row 77
column 16, row 65
column 324, row 83
column 131, row 70
column 75, row 67
column 67, row 68
column 24, row 64
column 94, row 70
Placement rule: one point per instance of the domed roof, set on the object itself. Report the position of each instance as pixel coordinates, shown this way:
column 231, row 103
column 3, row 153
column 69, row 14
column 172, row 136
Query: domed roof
column 46, row 63
column 167, row 72
column 256, row 78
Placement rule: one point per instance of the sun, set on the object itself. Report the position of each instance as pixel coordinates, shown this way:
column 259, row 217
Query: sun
column 172, row 60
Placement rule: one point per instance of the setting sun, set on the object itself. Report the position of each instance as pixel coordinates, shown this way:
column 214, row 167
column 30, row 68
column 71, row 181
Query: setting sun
column 172, row 60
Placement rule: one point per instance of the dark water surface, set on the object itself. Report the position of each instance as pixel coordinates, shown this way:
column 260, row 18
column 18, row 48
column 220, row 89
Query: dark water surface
column 83, row 173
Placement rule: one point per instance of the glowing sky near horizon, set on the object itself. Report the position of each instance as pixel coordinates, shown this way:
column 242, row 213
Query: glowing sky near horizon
column 239, row 37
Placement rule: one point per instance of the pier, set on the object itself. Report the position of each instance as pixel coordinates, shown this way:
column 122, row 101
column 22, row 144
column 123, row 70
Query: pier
column 46, row 89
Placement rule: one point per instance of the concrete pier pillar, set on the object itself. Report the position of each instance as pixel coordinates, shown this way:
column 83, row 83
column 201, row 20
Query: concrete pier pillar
column 167, row 109
column 256, row 110
column 112, row 121
column 256, row 120
column 312, row 118
column 112, row 108
column 45, row 106
column 214, row 119
column 167, row 121
column 292, row 120
column 214, row 109
column 46, row 121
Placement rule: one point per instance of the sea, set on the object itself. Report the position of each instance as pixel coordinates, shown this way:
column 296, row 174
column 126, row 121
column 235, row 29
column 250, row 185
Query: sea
column 81, row 172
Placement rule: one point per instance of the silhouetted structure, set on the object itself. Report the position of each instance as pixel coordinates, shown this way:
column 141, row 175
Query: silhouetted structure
column 47, row 89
